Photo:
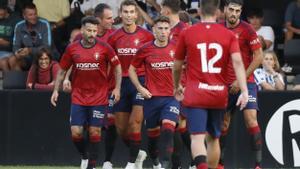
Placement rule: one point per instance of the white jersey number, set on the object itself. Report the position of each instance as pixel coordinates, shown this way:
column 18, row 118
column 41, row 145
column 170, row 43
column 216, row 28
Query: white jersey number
column 208, row 67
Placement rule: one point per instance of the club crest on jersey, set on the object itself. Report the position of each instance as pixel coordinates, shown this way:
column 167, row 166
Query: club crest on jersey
column 136, row 42
column 97, row 55
column 172, row 53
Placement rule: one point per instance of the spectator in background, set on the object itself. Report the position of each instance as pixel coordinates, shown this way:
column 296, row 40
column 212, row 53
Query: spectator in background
column 292, row 21
column 55, row 11
column 30, row 34
column 87, row 7
column 7, row 24
column 269, row 77
column 43, row 72
column 265, row 33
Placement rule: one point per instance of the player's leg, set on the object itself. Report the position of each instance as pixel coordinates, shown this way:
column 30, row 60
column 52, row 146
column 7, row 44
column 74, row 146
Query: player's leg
column 253, row 128
column 231, row 108
column 153, row 139
column 184, row 133
column 169, row 117
column 121, row 122
column 110, row 135
column 110, row 140
column 152, row 118
column 136, row 120
column 122, row 111
column 96, row 116
column 214, row 122
column 223, row 138
column 78, row 120
column 197, row 120
column 250, row 116
column 134, row 131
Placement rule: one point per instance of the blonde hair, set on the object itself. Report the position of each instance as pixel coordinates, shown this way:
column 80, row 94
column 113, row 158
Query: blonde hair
column 275, row 58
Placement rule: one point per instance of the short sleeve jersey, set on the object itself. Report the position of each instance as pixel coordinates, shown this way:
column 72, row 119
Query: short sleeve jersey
column 207, row 57
column 248, row 42
column 89, row 80
column 158, row 62
column 126, row 45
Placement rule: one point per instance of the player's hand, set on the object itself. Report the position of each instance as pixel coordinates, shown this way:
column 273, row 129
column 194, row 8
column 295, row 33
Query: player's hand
column 178, row 93
column 242, row 100
column 54, row 98
column 29, row 85
column 145, row 93
column 234, row 88
column 116, row 94
column 67, row 87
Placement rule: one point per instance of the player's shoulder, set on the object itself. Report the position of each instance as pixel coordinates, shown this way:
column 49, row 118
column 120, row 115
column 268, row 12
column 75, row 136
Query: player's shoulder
column 74, row 44
column 146, row 45
column 246, row 26
column 142, row 30
column 115, row 33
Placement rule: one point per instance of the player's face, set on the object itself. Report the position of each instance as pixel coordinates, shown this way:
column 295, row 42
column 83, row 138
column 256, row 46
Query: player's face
column 44, row 61
column 268, row 60
column 129, row 14
column 256, row 22
column 30, row 15
column 233, row 12
column 107, row 19
column 89, row 32
column 162, row 31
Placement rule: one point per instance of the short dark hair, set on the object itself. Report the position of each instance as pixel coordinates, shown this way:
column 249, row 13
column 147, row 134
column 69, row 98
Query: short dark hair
column 255, row 12
column 209, row 7
column 28, row 6
column 239, row 2
column 162, row 18
column 184, row 16
column 174, row 5
column 100, row 9
column 89, row 19
column 128, row 3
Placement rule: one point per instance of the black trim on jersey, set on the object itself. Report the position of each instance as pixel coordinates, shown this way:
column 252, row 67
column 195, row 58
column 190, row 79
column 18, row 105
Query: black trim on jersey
column 161, row 47
column 130, row 33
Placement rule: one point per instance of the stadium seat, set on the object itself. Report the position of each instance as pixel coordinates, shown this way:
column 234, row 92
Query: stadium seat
column 14, row 80
column 292, row 55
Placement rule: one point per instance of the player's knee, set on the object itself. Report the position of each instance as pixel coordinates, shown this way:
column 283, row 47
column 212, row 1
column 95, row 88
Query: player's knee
column 94, row 131
column 251, row 122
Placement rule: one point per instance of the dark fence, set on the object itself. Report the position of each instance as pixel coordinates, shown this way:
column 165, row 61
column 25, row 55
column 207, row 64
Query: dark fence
column 33, row 132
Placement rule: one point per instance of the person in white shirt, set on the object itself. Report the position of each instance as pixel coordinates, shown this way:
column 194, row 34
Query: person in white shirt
column 268, row 77
column 265, row 33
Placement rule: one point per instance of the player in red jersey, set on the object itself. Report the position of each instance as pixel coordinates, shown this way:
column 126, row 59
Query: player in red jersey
column 90, row 59
column 252, row 57
column 205, row 95
column 161, row 109
column 103, row 13
column 129, row 111
column 171, row 8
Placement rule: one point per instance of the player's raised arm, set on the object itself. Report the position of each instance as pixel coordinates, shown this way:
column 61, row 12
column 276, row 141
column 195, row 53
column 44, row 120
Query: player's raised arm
column 60, row 76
